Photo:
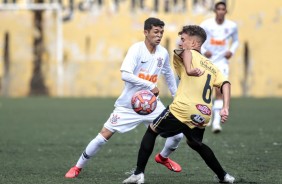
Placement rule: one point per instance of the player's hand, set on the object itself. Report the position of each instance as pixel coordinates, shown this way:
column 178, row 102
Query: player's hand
column 196, row 72
column 228, row 55
column 208, row 54
column 155, row 91
column 224, row 113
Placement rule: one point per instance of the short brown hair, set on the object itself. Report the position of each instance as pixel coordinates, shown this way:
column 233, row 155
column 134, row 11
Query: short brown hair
column 194, row 30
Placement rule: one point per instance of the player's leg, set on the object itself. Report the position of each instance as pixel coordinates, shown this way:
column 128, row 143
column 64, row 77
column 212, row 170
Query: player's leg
column 94, row 146
column 171, row 143
column 113, row 124
column 165, row 122
column 218, row 102
column 170, row 146
column 194, row 140
column 91, row 149
column 217, row 106
column 145, row 151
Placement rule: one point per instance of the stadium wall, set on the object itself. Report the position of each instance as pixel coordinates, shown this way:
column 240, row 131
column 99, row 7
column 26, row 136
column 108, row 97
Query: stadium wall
column 95, row 39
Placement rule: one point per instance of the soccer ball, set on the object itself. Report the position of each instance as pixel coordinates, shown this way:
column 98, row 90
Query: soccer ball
column 144, row 102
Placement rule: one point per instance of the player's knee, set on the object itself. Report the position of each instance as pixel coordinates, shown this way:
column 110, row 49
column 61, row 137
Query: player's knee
column 105, row 133
column 148, row 141
column 178, row 137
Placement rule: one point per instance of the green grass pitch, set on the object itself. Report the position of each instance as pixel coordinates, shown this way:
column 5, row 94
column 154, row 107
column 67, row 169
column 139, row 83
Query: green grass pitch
column 41, row 138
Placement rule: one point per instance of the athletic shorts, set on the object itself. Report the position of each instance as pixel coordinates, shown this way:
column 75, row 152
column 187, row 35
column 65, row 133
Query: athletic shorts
column 125, row 119
column 223, row 67
column 167, row 125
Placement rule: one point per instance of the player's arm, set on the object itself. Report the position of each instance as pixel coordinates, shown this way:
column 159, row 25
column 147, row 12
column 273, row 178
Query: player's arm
column 127, row 69
column 136, row 81
column 234, row 44
column 187, row 61
column 226, row 92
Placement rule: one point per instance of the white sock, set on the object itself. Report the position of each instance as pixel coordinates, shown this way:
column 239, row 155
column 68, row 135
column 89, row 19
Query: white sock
column 92, row 148
column 217, row 106
column 171, row 144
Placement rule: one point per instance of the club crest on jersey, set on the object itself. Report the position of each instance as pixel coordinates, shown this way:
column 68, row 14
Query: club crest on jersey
column 204, row 109
column 114, row 119
column 197, row 119
column 160, row 62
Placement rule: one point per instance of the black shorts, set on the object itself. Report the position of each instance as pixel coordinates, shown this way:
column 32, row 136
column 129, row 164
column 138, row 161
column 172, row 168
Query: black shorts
column 167, row 125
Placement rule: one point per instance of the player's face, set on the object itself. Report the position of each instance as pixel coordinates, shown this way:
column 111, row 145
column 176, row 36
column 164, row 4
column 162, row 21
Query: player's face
column 186, row 41
column 220, row 11
column 154, row 36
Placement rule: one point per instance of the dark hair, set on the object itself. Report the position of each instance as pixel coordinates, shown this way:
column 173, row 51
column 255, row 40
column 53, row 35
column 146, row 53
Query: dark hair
column 194, row 30
column 219, row 3
column 150, row 22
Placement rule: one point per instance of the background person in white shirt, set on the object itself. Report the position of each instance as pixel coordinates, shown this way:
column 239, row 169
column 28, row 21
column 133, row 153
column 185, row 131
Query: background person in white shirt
column 220, row 46
column 140, row 70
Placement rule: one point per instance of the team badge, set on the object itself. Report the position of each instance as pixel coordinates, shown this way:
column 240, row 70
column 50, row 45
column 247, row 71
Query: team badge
column 204, row 109
column 160, row 62
column 114, row 119
column 197, row 119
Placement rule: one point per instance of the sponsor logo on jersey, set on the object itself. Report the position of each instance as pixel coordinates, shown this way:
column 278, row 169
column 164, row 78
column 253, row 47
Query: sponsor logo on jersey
column 160, row 62
column 197, row 119
column 114, row 119
column 152, row 78
column 217, row 42
column 206, row 65
column 204, row 109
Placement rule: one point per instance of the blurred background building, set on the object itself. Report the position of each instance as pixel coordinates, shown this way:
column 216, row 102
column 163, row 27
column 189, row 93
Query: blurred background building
column 75, row 48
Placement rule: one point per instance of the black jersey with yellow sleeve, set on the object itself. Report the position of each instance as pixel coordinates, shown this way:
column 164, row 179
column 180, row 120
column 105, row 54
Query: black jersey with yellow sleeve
column 193, row 100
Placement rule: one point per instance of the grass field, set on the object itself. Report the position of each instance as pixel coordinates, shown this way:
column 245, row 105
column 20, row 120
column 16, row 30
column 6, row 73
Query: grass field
column 41, row 138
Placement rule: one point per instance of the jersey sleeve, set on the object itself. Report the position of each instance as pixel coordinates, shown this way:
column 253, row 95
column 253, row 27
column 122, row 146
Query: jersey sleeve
column 219, row 79
column 235, row 40
column 136, row 81
column 128, row 66
column 130, row 61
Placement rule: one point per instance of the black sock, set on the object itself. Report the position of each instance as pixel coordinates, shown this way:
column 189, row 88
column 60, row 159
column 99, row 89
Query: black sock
column 145, row 150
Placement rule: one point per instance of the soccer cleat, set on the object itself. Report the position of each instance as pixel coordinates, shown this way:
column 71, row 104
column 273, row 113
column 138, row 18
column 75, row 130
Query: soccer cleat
column 73, row 172
column 227, row 179
column 171, row 165
column 139, row 179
